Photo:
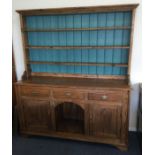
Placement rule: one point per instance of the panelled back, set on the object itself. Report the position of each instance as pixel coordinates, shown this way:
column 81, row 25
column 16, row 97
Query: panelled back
column 102, row 42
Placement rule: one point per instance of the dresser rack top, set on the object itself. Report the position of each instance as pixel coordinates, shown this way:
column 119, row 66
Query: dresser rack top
column 75, row 10
column 86, row 9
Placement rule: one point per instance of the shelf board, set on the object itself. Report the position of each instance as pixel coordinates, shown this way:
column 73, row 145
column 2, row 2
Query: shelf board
column 78, row 63
column 69, row 125
column 78, row 29
column 77, row 47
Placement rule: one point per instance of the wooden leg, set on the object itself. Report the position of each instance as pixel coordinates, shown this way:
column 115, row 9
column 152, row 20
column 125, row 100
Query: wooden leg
column 122, row 148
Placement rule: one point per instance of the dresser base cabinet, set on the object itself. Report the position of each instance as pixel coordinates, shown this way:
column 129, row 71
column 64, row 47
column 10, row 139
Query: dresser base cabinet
column 81, row 111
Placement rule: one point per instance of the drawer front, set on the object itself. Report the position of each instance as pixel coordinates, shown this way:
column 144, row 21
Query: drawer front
column 35, row 91
column 68, row 94
column 106, row 96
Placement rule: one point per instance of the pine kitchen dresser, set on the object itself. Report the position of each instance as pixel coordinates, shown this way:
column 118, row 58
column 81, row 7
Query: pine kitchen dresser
column 77, row 73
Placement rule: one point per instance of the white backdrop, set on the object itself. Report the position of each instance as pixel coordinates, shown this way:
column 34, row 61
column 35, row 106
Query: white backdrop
column 136, row 71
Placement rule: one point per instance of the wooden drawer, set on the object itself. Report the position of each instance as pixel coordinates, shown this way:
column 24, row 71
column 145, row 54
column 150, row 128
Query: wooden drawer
column 35, row 91
column 67, row 94
column 106, row 96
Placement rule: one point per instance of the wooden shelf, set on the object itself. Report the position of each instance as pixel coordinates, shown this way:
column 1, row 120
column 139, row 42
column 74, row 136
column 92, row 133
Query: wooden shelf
column 77, row 47
column 78, row 63
column 69, row 125
column 78, row 29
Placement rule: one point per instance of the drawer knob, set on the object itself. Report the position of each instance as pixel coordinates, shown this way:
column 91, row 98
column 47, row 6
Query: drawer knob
column 68, row 94
column 35, row 93
column 104, row 97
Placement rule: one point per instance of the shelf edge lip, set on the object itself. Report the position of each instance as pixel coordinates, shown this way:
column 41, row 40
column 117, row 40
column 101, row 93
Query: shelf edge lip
column 78, row 63
column 78, row 29
column 82, row 9
column 77, row 47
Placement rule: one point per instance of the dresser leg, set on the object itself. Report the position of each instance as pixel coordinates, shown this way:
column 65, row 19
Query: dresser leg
column 122, row 148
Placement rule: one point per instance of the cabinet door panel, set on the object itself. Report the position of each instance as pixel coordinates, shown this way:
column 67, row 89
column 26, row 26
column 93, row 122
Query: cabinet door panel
column 36, row 114
column 105, row 120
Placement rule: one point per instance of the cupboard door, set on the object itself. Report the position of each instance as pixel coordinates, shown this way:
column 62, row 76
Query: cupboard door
column 105, row 120
column 36, row 114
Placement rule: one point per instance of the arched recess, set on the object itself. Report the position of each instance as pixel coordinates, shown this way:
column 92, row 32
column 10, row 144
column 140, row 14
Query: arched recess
column 69, row 117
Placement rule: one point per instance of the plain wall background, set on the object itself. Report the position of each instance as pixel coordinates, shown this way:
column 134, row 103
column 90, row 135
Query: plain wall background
column 136, row 71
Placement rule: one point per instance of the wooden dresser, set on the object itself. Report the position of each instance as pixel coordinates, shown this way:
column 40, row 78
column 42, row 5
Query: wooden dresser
column 102, row 115
column 77, row 72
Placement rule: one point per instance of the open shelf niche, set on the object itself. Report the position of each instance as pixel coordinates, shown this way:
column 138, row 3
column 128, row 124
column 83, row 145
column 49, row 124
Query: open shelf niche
column 69, row 118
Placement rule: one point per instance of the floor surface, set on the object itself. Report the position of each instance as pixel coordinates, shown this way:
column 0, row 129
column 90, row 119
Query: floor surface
column 55, row 146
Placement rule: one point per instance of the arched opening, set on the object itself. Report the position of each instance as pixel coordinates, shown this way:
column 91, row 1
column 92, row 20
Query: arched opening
column 69, row 118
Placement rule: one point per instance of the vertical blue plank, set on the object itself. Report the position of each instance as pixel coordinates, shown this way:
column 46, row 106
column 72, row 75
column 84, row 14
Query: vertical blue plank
column 69, row 21
column 118, row 37
column 127, row 18
column 101, row 38
column 29, row 38
column 62, row 38
column 100, row 55
column 70, row 69
column 85, row 38
column 102, row 20
column 48, row 57
column 85, row 34
column 124, row 56
column 55, row 39
column 39, row 22
column 92, row 58
column 93, row 20
column 123, row 71
column 117, row 56
column 70, row 38
column 70, row 58
column 107, row 70
column 109, row 37
column 77, row 34
column 40, row 35
column 108, row 55
column 93, row 38
column 77, row 38
column 92, row 70
column 55, row 68
column 33, row 22
column 35, row 38
column 30, row 22
column 126, row 37
column 77, row 59
column 44, row 20
column 92, row 55
column 61, row 21
column 119, row 19
column 49, row 22
column 63, row 58
column 85, row 20
column 84, row 59
column 116, row 70
column 45, row 38
column 53, row 22
column 110, row 19
column 99, row 70
column 77, row 21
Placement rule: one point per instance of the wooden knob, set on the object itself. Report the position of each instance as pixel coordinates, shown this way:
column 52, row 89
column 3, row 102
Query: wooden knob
column 35, row 93
column 104, row 97
column 68, row 94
